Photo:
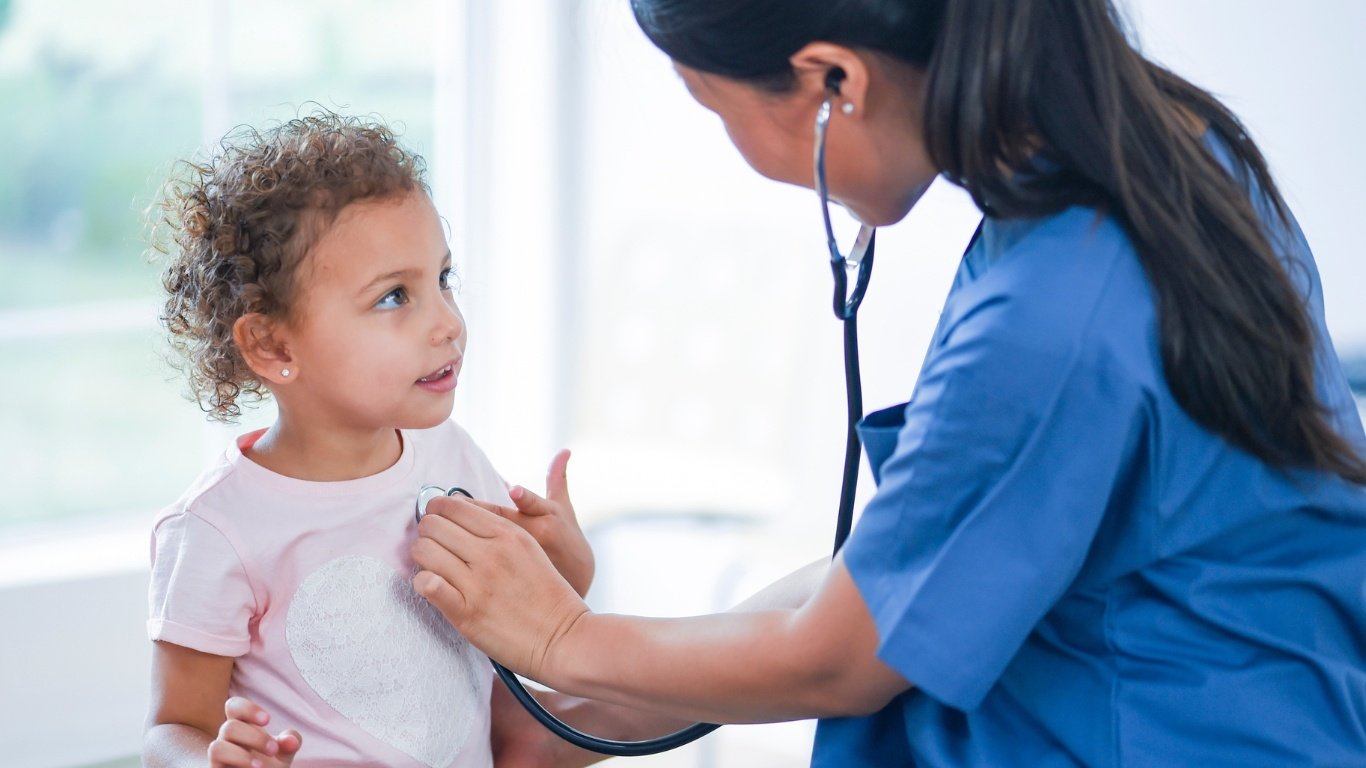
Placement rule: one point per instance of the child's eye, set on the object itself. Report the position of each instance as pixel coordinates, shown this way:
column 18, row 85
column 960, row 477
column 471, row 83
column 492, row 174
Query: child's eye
column 445, row 280
column 393, row 299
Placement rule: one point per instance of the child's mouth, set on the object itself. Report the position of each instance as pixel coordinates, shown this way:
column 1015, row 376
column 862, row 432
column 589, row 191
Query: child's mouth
column 440, row 380
column 441, row 374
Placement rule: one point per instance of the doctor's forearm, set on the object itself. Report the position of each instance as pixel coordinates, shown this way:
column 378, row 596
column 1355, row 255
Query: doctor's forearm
column 749, row 665
column 612, row 721
column 734, row 668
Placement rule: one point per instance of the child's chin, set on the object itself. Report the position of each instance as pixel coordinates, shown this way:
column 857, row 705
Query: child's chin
column 427, row 421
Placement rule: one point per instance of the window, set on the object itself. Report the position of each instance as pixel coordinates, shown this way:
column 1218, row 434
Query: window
column 95, row 113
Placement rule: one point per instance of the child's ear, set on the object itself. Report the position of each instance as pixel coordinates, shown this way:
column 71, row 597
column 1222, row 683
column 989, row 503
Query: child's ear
column 258, row 338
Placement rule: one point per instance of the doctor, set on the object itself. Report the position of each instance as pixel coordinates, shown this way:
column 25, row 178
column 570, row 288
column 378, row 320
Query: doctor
column 1121, row 519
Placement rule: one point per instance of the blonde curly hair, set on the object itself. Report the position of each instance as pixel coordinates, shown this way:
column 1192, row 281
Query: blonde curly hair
column 235, row 227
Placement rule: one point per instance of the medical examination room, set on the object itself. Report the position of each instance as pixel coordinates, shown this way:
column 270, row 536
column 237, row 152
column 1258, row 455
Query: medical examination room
column 368, row 368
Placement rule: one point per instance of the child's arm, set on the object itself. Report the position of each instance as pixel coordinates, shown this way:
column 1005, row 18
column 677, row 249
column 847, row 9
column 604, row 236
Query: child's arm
column 189, row 724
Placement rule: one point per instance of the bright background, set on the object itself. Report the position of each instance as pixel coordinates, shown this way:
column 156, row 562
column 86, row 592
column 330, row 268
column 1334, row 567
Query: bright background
column 615, row 254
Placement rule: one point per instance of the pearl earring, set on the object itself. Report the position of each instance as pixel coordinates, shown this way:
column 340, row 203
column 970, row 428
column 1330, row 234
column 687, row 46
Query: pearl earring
column 848, row 108
column 285, row 373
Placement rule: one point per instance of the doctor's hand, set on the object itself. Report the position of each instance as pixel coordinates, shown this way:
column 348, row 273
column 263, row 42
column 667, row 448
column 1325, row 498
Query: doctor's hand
column 494, row 583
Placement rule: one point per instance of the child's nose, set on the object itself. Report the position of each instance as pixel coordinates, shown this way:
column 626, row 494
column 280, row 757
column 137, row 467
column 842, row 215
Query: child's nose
column 450, row 324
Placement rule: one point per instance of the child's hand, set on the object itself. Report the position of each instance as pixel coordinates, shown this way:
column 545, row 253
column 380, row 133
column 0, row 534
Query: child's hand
column 244, row 743
column 552, row 523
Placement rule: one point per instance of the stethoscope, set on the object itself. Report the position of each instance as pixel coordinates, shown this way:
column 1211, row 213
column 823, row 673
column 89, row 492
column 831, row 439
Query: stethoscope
column 859, row 262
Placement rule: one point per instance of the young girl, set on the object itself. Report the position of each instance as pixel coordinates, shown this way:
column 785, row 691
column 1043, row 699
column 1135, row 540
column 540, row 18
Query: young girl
column 308, row 264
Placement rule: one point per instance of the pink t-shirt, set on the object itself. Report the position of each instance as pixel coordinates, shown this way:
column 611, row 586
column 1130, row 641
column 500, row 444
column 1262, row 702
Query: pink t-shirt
column 308, row 585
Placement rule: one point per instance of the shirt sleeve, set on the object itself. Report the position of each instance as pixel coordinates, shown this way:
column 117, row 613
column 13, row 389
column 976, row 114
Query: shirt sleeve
column 985, row 511
column 199, row 596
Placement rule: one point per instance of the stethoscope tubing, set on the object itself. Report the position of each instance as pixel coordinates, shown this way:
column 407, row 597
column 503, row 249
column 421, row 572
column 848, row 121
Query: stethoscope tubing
column 846, row 306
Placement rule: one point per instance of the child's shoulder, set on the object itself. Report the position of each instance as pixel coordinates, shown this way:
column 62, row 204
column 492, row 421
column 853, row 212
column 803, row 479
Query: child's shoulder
column 219, row 479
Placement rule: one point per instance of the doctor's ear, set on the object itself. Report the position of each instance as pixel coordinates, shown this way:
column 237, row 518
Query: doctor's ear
column 258, row 339
column 833, row 70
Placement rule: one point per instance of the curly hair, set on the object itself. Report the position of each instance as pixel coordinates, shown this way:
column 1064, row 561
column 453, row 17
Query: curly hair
column 235, row 228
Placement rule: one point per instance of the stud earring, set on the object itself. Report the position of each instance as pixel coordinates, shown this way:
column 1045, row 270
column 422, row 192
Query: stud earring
column 285, row 372
column 848, row 108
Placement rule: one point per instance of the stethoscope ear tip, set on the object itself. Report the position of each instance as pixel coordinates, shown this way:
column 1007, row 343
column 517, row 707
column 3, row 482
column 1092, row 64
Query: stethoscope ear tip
column 429, row 492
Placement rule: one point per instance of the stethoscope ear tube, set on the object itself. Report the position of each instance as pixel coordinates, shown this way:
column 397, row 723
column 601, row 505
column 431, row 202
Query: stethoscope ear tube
column 846, row 309
column 843, row 524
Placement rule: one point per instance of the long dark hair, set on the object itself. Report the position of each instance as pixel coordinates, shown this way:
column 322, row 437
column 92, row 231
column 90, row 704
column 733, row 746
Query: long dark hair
column 1013, row 81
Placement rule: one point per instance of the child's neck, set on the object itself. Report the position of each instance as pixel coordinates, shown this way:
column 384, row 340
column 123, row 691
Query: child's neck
column 325, row 455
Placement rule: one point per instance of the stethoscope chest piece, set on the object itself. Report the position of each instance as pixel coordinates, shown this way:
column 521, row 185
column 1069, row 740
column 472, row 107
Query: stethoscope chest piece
column 429, row 492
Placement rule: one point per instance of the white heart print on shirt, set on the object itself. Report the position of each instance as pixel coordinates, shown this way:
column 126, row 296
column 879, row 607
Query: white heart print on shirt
column 384, row 658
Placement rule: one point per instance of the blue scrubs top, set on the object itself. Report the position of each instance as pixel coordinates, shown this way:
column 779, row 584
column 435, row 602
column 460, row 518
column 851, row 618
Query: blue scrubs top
column 1073, row 572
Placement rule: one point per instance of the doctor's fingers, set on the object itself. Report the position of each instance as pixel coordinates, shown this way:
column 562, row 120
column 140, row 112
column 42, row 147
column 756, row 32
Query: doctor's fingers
column 443, row 578
column 472, row 516
column 456, row 536
column 510, row 513
column 449, row 556
column 437, row 589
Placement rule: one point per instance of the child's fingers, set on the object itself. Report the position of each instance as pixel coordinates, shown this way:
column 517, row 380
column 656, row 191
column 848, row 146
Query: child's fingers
column 557, row 478
column 246, row 710
column 223, row 754
column 529, row 503
column 250, row 737
column 557, row 490
column 289, row 742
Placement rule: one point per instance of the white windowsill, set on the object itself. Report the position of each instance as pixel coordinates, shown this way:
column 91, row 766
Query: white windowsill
column 43, row 553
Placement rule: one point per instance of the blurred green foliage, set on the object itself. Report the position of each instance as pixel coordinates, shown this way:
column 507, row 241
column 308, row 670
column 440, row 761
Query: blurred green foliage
column 89, row 131
column 86, row 154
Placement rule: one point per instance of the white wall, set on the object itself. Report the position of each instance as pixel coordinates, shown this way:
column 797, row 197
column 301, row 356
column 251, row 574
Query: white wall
column 73, row 670
column 1295, row 72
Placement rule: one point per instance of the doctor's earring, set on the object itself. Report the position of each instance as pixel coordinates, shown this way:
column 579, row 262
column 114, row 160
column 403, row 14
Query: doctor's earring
column 284, row 372
column 847, row 108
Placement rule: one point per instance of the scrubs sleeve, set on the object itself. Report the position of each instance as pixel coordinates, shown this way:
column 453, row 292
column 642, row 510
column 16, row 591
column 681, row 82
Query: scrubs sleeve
column 1004, row 466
